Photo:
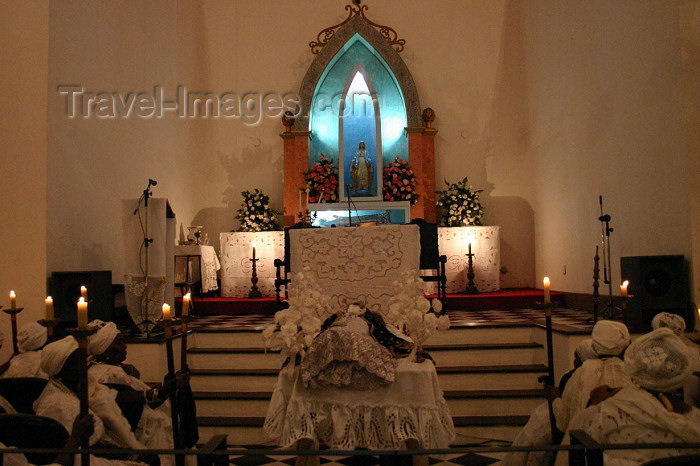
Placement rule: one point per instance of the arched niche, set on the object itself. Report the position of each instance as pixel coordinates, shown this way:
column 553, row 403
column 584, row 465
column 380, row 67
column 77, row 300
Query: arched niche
column 358, row 46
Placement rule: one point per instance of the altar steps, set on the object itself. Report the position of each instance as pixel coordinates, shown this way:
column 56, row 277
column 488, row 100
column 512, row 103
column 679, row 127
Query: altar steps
column 488, row 374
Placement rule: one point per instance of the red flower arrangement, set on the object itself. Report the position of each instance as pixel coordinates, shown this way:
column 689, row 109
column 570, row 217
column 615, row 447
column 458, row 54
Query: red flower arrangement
column 322, row 181
column 399, row 182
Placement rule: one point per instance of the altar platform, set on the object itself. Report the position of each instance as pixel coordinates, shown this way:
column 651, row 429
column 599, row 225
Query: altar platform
column 493, row 300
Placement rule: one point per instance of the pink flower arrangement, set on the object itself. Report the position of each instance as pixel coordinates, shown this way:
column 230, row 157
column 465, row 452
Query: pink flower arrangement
column 322, row 181
column 399, row 182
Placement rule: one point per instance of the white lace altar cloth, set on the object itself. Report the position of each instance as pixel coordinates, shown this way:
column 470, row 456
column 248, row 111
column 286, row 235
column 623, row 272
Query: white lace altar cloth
column 454, row 243
column 356, row 264
column 413, row 407
column 208, row 266
column 236, row 253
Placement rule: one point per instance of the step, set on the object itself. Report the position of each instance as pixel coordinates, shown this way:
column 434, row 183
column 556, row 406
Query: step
column 483, row 334
column 214, row 338
column 221, row 380
column 487, row 353
column 500, row 377
column 233, row 358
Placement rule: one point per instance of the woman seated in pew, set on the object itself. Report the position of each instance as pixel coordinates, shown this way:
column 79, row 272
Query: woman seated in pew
column 59, row 400
column 30, row 339
column 652, row 410
column 146, row 408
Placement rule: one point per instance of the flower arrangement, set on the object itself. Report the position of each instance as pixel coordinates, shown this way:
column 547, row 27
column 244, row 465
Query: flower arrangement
column 459, row 205
column 412, row 312
column 255, row 213
column 322, row 181
column 399, row 182
column 295, row 327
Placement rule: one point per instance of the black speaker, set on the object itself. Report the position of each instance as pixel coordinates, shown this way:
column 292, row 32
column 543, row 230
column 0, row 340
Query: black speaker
column 657, row 284
column 65, row 291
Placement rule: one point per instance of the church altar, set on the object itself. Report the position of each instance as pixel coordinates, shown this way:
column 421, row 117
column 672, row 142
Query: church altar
column 236, row 251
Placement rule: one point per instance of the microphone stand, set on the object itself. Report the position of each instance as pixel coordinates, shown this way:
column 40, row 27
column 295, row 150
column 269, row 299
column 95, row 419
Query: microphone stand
column 146, row 322
column 609, row 311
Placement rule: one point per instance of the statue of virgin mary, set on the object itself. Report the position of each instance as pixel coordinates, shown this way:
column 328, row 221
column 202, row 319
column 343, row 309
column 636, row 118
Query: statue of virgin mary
column 361, row 169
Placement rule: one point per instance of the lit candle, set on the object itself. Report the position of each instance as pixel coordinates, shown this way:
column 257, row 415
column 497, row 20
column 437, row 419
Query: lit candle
column 49, row 308
column 254, row 250
column 13, row 300
column 307, row 196
column 186, row 304
column 82, row 313
column 470, row 248
column 545, row 283
column 166, row 311
column 83, row 292
column 623, row 288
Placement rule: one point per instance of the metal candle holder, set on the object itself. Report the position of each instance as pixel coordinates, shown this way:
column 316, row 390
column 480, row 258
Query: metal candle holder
column 254, row 291
column 471, row 287
column 13, row 318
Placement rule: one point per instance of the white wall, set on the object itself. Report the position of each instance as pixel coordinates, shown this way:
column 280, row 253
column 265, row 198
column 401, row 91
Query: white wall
column 606, row 113
column 24, row 56
column 545, row 105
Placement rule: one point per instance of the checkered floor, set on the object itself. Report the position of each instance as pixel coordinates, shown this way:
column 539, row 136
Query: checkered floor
column 570, row 321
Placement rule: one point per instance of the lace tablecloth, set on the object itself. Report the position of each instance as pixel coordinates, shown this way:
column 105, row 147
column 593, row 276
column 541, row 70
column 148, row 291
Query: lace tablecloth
column 413, row 407
column 356, row 264
column 454, row 243
column 236, row 252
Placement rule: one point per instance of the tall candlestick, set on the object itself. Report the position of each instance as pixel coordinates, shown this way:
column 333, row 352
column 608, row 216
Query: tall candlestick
column 623, row 289
column 82, row 313
column 83, row 292
column 545, row 283
column 186, row 304
column 470, row 248
column 307, row 198
column 166, row 312
column 13, row 300
column 254, row 243
column 49, row 308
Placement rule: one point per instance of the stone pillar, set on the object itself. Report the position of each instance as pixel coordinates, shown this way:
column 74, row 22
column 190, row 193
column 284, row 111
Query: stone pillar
column 421, row 157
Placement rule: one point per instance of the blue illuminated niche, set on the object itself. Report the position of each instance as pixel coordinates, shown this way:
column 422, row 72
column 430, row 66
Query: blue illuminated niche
column 358, row 98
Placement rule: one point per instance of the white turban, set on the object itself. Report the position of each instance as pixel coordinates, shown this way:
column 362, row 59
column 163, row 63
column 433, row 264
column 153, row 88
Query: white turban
column 659, row 361
column 673, row 321
column 585, row 350
column 31, row 337
column 99, row 341
column 610, row 337
column 54, row 355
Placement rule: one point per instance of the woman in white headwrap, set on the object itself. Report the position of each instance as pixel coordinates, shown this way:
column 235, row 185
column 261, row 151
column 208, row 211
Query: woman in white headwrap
column 647, row 412
column 609, row 341
column 153, row 427
column 30, row 339
column 691, row 387
column 59, row 399
column 538, row 430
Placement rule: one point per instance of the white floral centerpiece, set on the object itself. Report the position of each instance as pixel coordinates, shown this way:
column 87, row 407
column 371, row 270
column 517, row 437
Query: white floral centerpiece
column 255, row 213
column 296, row 327
column 410, row 311
column 459, row 205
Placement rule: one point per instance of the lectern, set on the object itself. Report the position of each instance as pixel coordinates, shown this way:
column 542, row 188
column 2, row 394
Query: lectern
column 149, row 245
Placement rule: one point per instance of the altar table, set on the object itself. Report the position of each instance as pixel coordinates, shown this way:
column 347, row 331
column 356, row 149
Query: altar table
column 411, row 408
column 236, row 251
column 236, row 266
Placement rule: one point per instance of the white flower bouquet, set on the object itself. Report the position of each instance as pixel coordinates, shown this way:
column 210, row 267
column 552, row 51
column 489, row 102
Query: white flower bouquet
column 459, row 205
column 410, row 311
column 297, row 326
column 255, row 213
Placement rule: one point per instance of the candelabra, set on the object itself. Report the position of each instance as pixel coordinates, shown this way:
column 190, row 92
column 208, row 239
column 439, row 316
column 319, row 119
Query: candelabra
column 471, row 288
column 13, row 311
column 254, row 291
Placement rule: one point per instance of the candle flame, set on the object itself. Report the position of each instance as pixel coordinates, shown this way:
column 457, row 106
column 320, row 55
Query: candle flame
column 255, row 243
column 546, row 281
column 626, row 283
column 12, row 294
